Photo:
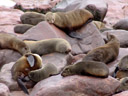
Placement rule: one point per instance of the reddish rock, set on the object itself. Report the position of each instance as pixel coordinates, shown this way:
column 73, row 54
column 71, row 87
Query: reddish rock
column 117, row 9
column 7, row 56
column 122, row 35
column 58, row 59
column 75, row 86
column 38, row 6
column 124, row 93
column 4, row 91
column 9, row 18
column 18, row 93
column 89, row 32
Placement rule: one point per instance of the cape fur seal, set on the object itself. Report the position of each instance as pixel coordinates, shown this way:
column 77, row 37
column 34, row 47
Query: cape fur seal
column 105, row 53
column 70, row 21
column 32, row 18
column 122, row 68
column 8, row 41
column 45, row 72
column 23, row 66
column 22, row 28
column 47, row 46
column 93, row 68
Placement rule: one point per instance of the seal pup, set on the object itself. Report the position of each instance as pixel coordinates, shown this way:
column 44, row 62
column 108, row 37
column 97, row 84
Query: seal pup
column 70, row 21
column 45, row 72
column 22, row 28
column 8, row 41
column 32, row 18
column 23, row 66
column 93, row 68
column 105, row 53
column 47, row 46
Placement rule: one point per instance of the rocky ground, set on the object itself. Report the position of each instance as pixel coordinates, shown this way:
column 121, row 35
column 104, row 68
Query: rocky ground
column 92, row 38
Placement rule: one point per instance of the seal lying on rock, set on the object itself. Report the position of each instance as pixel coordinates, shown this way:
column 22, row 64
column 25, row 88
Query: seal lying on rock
column 23, row 66
column 70, row 21
column 122, row 68
column 93, row 68
column 47, row 46
column 8, row 41
column 105, row 53
column 32, row 18
column 45, row 72
column 22, row 28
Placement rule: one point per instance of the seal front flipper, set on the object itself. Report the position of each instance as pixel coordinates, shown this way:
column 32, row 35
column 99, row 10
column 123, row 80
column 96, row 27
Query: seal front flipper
column 114, row 74
column 75, row 35
column 22, row 86
column 31, row 60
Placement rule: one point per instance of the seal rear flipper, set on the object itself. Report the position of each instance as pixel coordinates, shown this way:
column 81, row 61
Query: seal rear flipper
column 22, row 86
column 114, row 74
column 75, row 35
column 31, row 60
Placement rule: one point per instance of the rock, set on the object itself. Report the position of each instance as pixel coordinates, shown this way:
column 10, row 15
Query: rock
column 9, row 18
column 7, row 3
column 122, row 52
column 75, row 86
column 6, row 77
column 7, row 56
column 17, row 93
column 121, row 35
column 124, row 93
column 97, row 7
column 39, row 6
column 121, row 24
column 58, row 59
column 89, row 32
column 117, row 10
column 4, row 91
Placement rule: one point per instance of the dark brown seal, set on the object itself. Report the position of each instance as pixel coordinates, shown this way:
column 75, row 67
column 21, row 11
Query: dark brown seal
column 105, row 53
column 93, row 68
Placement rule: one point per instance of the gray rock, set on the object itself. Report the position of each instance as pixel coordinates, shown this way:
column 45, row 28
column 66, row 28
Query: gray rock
column 4, row 90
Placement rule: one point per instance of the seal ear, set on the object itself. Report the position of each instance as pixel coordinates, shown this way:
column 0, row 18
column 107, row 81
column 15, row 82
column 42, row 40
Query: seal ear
column 31, row 60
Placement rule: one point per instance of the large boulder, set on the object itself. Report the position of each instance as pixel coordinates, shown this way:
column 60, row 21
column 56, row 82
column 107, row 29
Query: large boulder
column 91, row 36
column 124, row 93
column 75, row 86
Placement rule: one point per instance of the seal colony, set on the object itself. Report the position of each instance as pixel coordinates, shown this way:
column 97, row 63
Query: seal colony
column 70, row 21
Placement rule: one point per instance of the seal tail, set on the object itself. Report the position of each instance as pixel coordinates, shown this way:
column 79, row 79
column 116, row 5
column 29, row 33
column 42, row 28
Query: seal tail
column 75, row 35
column 114, row 74
column 22, row 86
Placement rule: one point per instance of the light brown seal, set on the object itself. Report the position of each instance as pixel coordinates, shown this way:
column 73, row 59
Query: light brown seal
column 8, row 41
column 23, row 66
column 45, row 72
column 47, row 46
column 70, row 21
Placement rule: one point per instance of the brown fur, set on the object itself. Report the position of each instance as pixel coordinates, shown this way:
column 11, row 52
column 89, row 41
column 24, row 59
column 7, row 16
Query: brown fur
column 45, row 72
column 69, row 21
column 11, row 42
column 49, row 45
column 93, row 68
column 21, row 68
column 105, row 53
column 32, row 18
column 99, row 25
column 22, row 28
column 121, row 74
